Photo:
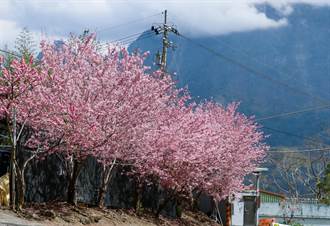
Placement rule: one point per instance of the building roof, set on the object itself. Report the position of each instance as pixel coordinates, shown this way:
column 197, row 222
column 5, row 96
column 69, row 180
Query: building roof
column 272, row 194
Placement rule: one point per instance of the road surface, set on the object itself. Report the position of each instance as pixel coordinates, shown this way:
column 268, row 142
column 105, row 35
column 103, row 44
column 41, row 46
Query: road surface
column 9, row 219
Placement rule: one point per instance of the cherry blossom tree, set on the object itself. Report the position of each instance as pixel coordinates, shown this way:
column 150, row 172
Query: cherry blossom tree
column 203, row 147
column 98, row 105
column 233, row 148
column 17, row 80
column 52, row 100
column 73, row 104
column 80, row 102
column 141, row 98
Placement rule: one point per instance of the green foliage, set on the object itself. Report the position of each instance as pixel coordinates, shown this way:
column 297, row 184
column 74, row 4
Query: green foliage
column 324, row 186
column 25, row 44
column 8, row 58
column 297, row 224
column 84, row 34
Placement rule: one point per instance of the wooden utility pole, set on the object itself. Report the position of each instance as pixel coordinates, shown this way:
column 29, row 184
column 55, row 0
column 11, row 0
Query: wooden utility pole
column 165, row 43
column 165, row 29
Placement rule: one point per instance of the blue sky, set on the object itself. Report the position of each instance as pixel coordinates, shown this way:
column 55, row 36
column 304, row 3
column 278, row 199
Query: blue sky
column 54, row 19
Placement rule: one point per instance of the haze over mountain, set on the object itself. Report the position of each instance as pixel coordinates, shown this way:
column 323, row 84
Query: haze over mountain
column 297, row 54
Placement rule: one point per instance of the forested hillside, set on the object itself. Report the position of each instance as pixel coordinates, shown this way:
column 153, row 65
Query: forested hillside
column 295, row 54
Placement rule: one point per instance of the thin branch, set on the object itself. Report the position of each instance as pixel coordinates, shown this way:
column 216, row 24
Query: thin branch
column 26, row 162
column 279, row 186
column 21, row 130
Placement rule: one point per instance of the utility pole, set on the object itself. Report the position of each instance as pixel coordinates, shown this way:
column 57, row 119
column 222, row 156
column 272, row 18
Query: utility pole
column 165, row 43
column 165, row 29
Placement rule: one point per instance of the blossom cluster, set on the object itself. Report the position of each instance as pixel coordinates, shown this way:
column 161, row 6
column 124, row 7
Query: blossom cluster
column 80, row 102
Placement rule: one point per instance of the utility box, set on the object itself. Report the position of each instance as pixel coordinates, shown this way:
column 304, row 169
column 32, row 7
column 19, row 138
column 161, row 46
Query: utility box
column 250, row 210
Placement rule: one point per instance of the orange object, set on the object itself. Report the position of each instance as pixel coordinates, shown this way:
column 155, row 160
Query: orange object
column 266, row 222
column 228, row 214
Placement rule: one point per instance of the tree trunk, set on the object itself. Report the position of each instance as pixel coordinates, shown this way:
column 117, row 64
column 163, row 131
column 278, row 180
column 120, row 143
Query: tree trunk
column 72, row 178
column 178, row 208
column 20, row 189
column 12, row 179
column 106, row 176
column 168, row 198
column 138, row 203
column 21, row 185
column 163, row 205
column 195, row 200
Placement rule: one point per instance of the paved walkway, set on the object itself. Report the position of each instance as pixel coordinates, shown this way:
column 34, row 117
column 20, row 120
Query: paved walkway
column 9, row 219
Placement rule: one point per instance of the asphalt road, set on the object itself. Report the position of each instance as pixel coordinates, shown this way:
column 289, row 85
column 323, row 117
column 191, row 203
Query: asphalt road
column 9, row 219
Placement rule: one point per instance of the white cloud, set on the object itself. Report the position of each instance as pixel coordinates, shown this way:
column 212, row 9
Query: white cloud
column 9, row 31
column 196, row 17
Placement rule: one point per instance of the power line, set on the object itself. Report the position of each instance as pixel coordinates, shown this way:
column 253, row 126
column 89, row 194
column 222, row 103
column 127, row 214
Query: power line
column 251, row 70
column 11, row 53
column 314, row 141
column 294, row 112
column 250, row 57
column 281, row 114
column 37, row 62
column 129, row 22
column 131, row 36
column 139, row 39
column 279, row 72
column 301, row 151
column 166, row 30
column 260, row 119
column 278, row 82
column 273, row 116
column 254, row 71
column 128, row 39
column 144, row 35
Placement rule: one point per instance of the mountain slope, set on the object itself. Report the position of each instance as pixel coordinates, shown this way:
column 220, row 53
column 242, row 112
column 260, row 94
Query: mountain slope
column 297, row 54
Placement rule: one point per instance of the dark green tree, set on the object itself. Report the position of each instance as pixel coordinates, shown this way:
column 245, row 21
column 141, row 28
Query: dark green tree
column 324, row 186
column 25, row 44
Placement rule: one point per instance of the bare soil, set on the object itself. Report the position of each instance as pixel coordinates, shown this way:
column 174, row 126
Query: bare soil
column 60, row 213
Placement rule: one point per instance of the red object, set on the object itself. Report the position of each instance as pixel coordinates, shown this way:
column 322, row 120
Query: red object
column 228, row 214
column 266, row 222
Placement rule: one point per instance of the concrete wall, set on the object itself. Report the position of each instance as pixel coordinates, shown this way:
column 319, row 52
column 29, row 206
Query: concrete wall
column 238, row 212
column 46, row 181
column 308, row 214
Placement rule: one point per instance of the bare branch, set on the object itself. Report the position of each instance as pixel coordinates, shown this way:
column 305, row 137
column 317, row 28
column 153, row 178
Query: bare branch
column 21, row 130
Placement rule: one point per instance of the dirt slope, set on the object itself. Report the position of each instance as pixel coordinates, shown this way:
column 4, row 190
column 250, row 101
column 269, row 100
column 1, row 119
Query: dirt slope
column 66, row 215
